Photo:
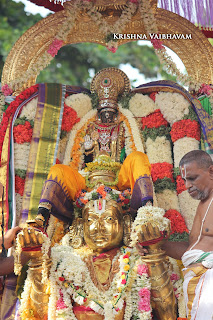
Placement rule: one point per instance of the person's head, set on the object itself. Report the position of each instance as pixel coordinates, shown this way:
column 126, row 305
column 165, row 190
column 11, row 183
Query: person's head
column 109, row 84
column 196, row 168
column 107, row 115
column 103, row 225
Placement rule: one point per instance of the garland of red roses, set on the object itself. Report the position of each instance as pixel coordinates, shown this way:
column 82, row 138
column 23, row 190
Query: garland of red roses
column 11, row 110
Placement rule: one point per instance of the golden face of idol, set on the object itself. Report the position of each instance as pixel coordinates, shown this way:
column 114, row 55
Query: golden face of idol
column 103, row 225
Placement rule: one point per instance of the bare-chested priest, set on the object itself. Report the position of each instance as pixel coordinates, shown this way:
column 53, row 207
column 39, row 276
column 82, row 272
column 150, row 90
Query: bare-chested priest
column 196, row 169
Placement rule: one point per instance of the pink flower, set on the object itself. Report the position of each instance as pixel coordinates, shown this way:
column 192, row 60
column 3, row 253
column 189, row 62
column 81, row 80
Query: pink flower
column 174, row 277
column 144, row 305
column 157, row 44
column 54, row 47
column 123, row 281
column 144, row 293
column 142, row 269
column 144, row 302
column 60, row 303
column 134, row 1
column 7, row 91
column 206, row 89
column 112, row 49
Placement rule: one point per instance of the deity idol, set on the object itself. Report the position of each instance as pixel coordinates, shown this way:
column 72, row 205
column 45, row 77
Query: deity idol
column 103, row 148
column 97, row 272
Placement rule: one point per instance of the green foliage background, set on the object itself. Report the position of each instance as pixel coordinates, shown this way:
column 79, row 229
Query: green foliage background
column 75, row 63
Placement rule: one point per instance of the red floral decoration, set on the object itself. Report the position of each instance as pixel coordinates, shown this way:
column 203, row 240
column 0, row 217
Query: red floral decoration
column 178, row 224
column 19, row 185
column 153, row 95
column 154, row 120
column 161, row 170
column 11, row 110
column 23, row 133
column 185, row 128
column 69, row 118
column 180, row 185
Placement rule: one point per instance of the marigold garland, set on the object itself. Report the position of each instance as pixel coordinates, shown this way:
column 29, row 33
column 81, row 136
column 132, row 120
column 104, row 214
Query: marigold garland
column 185, row 128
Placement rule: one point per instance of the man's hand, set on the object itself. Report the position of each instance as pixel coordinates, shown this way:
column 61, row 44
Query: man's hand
column 10, row 237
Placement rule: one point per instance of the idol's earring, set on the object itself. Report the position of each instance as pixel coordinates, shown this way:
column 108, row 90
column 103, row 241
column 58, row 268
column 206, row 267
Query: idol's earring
column 127, row 230
column 76, row 234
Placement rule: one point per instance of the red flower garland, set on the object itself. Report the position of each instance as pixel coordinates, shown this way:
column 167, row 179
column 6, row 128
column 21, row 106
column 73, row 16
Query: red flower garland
column 23, row 133
column 178, row 224
column 11, row 110
column 185, row 128
column 154, row 120
column 69, row 118
column 161, row 170
column 180, row 185
column 19, row 185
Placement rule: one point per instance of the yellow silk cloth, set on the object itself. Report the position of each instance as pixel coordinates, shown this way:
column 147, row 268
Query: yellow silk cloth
column 135, row 165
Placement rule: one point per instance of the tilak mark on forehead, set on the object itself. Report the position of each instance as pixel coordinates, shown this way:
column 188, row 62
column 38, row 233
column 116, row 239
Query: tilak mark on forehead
column 183, row 171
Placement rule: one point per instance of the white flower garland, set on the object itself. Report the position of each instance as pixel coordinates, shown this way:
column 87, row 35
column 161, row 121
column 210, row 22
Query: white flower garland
column 172, row 105
column 29, row 109
column 80, row 102
column 188, row 207
column 182, row 146
column 70, row 278
column 154, row 215
column 167, row 199
column 141, row 105
column 21, row 162
column 135, row 133
column 159, row 150
column 177, row 283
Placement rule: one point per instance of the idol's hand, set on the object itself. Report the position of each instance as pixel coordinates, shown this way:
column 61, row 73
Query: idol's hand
column 88, row 142
column 151, row 237
column 31, row 241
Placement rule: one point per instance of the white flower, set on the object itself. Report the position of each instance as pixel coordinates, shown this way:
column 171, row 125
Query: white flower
column 172, row 105
column 135, row 132
column 188, row 207
column 153, row 215
column 141, row 105
column 80, row 102
column 159, row 150
column 21, row 162
column 183, row 146
column 29, row 110
column 19, row 200
column 168, row 200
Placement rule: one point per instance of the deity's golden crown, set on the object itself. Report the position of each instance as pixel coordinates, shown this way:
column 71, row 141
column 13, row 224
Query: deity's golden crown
column 109, row 83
